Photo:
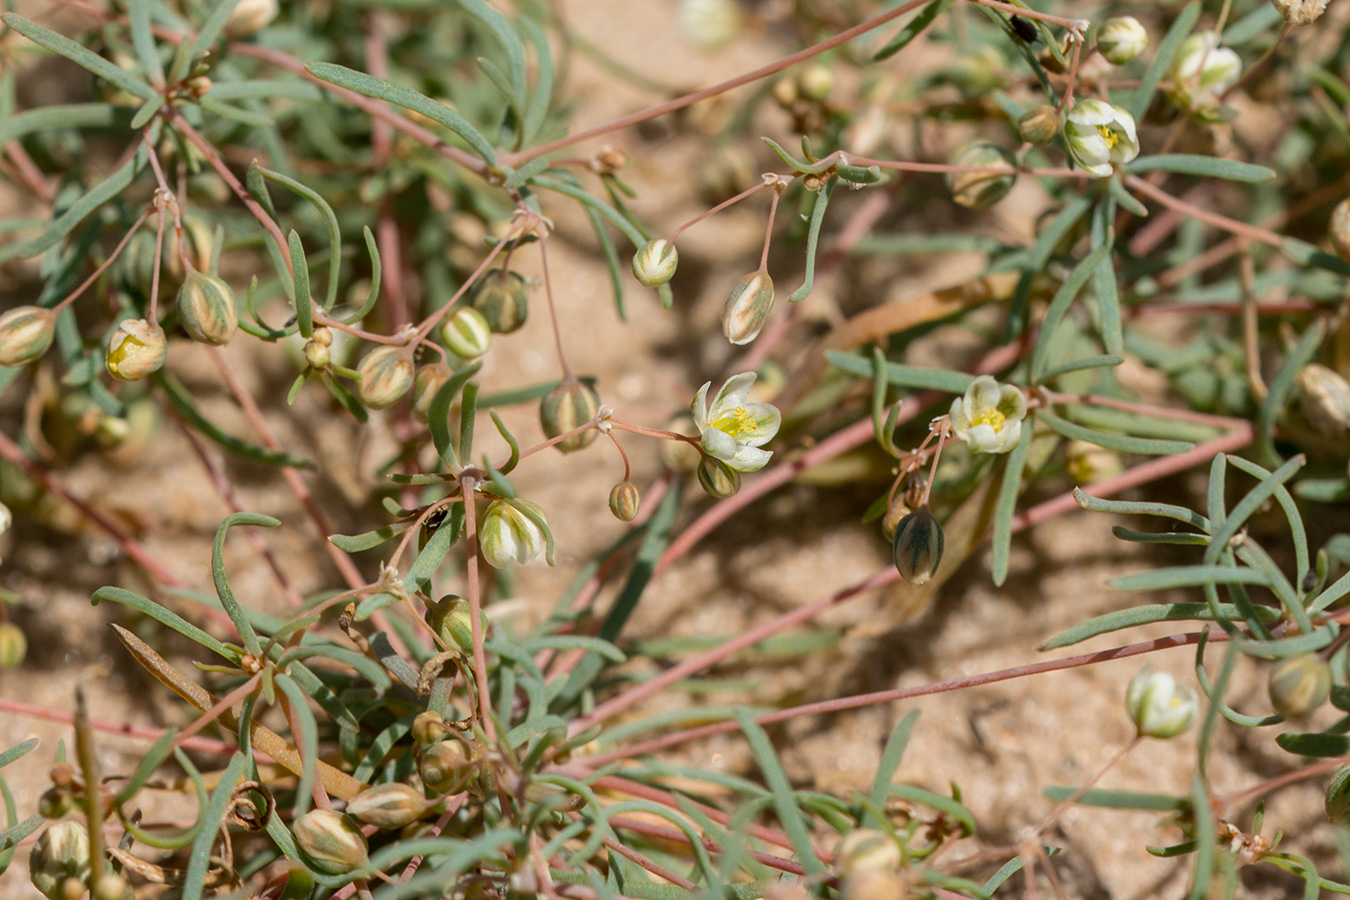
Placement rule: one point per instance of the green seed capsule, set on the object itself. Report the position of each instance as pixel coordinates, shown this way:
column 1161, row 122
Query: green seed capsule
column 918, row 545
column 624, row 500
column 430, row 379
column 429, row 727
column 389, row 805
column 747, row 307
column 447, row 767
column 717, row 478
column 569, row 405
column 980, row 190
column 867, row 848
column 13, row 645
column 449, row 618
column 655, row 262
column 386, row 375
column 467, row 333
column 1299, row 684
column 504, row 300
column 26, row 332
column 1039, row 125
column 206, row 309
column 331, row 842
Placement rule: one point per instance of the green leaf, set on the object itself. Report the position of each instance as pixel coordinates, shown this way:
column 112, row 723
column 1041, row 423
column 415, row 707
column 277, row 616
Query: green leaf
column 1165, row 578
column 1137, row 508
column 1008, row 490
column 17, row 751
column 1320, row 744
column 429, row 560
column 79, row 55
column 304, row 304
column 210, row 818
column 228, row 602
column 1104, row 280
column 612, row 261
column 1281, row 387
column 784, row 801
column 951, row 807
column 143, row 40
column 10, row 837
column 917, row 377
column 1145, row 615
column 813, row 239
column 890, row 759
column 211, row 28
column 1079, row 365
column 509, row 38
column 334, row 237
column 1123, row 443
column 355, row 543
column 1120, row 799
column 407, row 98
column 70, row 115
column 814, row 168
column 912, row 29
column 187, row 409
column 1059, row 305
column 438, row 414
column 1203, row 166
column 164, row 616
column 1034, row 263
column 65, row 223
column 307, row 742
column 1148, row 85
column 536, row 111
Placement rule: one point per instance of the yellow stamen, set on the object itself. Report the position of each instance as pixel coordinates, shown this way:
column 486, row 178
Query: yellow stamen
column 736, row 422
column 991, row 417
column 1108, row 135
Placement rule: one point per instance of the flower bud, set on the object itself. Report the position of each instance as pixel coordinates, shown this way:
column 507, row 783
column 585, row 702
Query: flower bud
column 891, row 520
column 331, row 842
column 318, row 351
column 137, row 348
column 747, row 307
column 867, row 848
column 874, row 884
column 1088, row 463
column 1157, row 706
column 654, row 263
column 1202, row 70
column 569, row 405
column 250, row 17
column 980, row 190
column 55, row 802
column 815, row 82
column 465, row 331
column 624, row 500
column 13, row 645
column 429, row 727
column 708, row 24
column 1299, row 684
column 1039, row 125
column 6, row 518
column 1338, row 229
column 1338, row 797
column 111, row 886
column 785, row 91
column 25, row 334
column 507, row 535
column 449, row 617
column 389, row 805
column 504, row 300
column 1301, row 12
column 429, row 380
column 386, row 375
column 1325, row 398
column 1121, row 39
column 61, row 853
column 717, row 478
column 917, row 546
column 206, row 309
column 447, row 766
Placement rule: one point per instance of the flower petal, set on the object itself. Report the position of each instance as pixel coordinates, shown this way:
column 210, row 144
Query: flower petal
column 982, row 394
column 766, row 419
column 699, row 408
column 748, row 459
column 732, row 394
column 1011, row 402
column 719, row 444
column 983, row 439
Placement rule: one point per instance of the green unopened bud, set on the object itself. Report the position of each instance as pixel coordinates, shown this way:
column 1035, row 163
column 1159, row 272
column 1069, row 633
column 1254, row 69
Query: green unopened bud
column 1039, row 125
column 467, row 333
column 917, row 546
column 1338, row 797
column 1088, row 463
column 867, row 848
column 430, row 379
column 55, row 802
column 331, row 842
column 389, row 805
column 1301, row 12
column 504, row 300
column 624, row 500
column 1325, row 398
column 1299, row 684
column 815, row 82
column 25, row 334
column 980, row 190
column 111, row 886
column 892, row 518
column 206, row 309
column 429, row 727
column 509, row 536
column 1121, row 39
column 1338, row 229
column 318, row 352
column 386, row 375
column 13, row 645
column 449, row 617
column 747, row 307
column 250, row 17
column 717, row 478
column 137, row 348
column 569, row 405
column 447, row 767
column 1157, row 706
column 61, row 854
column 655, row 262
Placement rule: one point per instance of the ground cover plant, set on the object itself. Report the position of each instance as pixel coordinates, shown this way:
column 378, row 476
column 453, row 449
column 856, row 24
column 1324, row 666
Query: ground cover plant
column 328, row 256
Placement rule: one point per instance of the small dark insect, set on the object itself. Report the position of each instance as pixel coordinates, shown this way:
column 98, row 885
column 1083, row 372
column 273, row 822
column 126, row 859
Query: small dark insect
column 1026, row 29
column 436, row 519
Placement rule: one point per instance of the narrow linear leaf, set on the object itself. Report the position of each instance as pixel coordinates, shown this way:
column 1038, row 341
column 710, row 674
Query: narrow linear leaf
column 355, row 543
column 304, row 304
column 1123, row 443
column 1120, row 799
column 1059, row 305
column 17, row 751
column 1145, row 615
column 1008, row 491
column 211, row 817
column 917, row 377
column 228, row 602
column 784, row 801
column 1186, row 576
column 1167, row 49
column 813, row 238
column 101, row 193
column 81, row 56
column 143, row 40
column 211, row 28
column 890, row 759
column 186, row 407
column 1204, row 166
column 912, row 29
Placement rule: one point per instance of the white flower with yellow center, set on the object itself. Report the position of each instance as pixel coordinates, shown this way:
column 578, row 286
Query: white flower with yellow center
column 1202, row 70
column 1100, row 134
column 1157, row 706
column 989, row 417
column 732, row 428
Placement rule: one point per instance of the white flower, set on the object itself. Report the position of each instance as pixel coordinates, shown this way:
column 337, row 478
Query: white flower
column 508, row 535
column 989, row 417
column 733, row 429
column 1202, row 70
column 1099, row 134
column 6, row 518
column 1157, row 706
column 1122, row 39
